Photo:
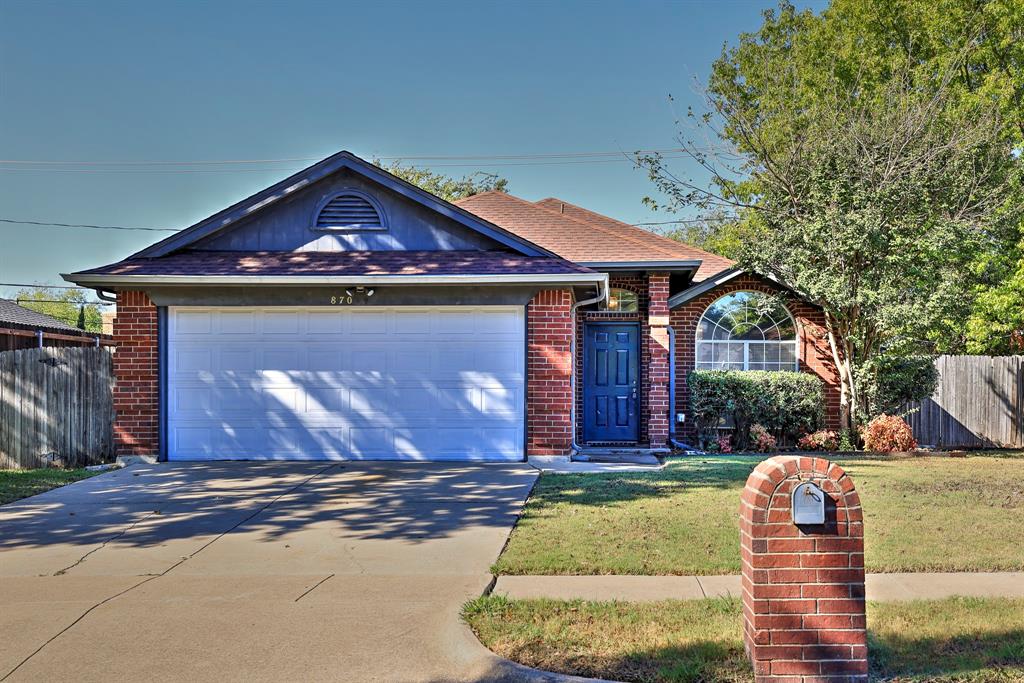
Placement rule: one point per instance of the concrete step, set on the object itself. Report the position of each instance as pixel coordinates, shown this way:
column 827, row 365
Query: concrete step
column 611, row 454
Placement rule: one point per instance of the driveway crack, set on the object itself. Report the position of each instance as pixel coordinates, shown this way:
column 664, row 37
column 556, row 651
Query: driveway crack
column 154, row 577
column 314, row 587
column 103, row 545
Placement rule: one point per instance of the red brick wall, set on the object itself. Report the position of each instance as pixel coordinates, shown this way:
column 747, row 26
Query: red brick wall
column 657, row 359
column 812, row 348
column 803, row 587
column 549, row 367
column 136, row 376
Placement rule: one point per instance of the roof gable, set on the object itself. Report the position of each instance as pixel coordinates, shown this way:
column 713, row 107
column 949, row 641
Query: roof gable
column 262, row 200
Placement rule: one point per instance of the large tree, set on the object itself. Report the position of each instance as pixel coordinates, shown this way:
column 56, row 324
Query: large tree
column 872, row 172
column 70, row 306
column 444, row 186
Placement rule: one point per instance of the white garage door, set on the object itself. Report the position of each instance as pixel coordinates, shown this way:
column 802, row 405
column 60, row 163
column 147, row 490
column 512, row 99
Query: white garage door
column 363, row 383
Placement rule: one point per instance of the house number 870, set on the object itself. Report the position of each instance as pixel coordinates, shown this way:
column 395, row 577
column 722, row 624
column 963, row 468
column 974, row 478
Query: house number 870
column 341, row 300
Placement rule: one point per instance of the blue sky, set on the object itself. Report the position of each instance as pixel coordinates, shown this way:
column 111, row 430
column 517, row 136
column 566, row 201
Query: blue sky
column 185, row 81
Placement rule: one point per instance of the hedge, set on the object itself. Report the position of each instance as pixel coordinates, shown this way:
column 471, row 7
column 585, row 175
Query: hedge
column 788, row 404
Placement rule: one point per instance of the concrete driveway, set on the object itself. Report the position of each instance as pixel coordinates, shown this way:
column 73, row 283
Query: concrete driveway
column 256, row 572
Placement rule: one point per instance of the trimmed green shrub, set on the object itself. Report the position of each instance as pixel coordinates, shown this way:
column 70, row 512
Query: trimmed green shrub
column 787, row 404
column 888, row 382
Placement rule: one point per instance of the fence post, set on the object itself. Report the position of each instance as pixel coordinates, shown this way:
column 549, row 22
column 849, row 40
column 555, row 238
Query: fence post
column 803, row 584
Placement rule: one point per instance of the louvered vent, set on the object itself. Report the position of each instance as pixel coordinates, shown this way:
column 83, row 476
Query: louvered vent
column 349, row 211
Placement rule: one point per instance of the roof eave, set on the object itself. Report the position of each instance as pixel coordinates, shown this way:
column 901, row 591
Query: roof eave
column 136, row 281
column 702, row 287
column 688, row 266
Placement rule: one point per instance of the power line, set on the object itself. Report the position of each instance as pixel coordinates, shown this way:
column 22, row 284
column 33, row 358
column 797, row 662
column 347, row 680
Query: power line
column 442, row 157
column 85, row 225
column 25, row 284
column 64, row 301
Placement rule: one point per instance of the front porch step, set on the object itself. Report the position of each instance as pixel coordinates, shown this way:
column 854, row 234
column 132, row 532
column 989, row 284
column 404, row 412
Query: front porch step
column 613, row 454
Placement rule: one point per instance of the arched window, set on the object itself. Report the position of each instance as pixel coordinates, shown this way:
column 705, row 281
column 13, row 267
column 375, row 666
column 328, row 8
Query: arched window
column 349, row 210
column 623, row 300
column 746, row 331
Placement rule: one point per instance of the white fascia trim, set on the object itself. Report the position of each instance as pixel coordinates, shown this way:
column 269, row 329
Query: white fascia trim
column 151, row 280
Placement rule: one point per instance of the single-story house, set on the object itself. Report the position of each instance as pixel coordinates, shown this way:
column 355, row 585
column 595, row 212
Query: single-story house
column 24, row 328
column 345, row 313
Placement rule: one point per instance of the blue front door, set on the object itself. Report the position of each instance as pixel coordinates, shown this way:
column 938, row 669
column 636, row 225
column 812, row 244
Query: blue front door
column 611, row 369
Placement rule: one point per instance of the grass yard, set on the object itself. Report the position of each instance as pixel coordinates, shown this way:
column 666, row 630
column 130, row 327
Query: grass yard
column 958, row 639
column 17, row 484
column 921, row 514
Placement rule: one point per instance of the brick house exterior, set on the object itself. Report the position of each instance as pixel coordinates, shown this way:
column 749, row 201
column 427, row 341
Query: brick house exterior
column 253, row 333
column 813, row 352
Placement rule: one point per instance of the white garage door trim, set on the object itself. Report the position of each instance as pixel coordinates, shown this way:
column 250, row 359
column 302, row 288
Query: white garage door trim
column 329, row 383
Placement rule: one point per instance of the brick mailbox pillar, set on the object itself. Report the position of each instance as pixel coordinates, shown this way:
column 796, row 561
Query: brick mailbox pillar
column 803, row 585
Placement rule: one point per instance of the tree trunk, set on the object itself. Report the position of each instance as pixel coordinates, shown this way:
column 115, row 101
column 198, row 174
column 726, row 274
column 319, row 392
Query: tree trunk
column 847, row 390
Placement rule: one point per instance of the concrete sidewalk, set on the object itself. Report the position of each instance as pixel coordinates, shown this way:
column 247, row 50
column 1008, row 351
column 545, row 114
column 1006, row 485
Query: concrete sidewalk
column 649, row 588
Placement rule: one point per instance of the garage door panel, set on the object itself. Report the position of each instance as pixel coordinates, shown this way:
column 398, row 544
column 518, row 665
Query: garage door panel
column 328, row 383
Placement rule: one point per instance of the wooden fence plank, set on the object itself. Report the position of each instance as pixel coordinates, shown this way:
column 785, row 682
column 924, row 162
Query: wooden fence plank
column 979, row 402
column 59, row 401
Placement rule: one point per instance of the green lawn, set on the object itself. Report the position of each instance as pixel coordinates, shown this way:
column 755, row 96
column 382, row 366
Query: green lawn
column 16, row 484
column 957, row 639
column 921, row 514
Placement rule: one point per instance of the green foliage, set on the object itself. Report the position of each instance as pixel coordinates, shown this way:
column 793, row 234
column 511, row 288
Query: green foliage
column 847, row 441
column 443, row 186
column 787, row 404
column 873, row 153
column 888, row 381
column 66, row 305
column 723, row 235
column 996, row 325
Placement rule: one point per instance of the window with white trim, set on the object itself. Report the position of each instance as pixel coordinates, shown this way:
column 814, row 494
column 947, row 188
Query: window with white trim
column 623, row 300
column 746, row 331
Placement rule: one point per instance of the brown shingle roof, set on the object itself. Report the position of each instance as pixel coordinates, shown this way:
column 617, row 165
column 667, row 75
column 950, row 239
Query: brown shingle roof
column 314, row 263
column 581, row 235
column 12, row 313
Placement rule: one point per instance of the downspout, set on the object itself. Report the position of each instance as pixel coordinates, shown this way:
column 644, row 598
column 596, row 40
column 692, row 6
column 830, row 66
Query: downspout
column 602, row 293
column 672, row 395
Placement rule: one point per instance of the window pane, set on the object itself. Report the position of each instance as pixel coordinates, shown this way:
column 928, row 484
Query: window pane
column 704, row 352
column 787, row 354
column 756, row 353
column 622, row 300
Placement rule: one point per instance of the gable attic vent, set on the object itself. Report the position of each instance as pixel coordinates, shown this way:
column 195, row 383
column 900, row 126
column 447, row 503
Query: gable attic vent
column 350, row 210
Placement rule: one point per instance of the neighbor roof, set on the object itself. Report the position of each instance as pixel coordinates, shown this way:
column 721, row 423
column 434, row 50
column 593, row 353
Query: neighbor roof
column 586, row 237
column 13, row 314
column 336, row 264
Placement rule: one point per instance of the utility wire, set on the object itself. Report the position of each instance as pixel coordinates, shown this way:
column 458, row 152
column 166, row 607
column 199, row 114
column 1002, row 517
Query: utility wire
column 25, row 284
column 470, row 157
column 85, row 225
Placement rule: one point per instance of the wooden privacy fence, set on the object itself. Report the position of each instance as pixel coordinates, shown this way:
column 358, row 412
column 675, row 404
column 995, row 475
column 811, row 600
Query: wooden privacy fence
column 979, row 403
column 56, row 404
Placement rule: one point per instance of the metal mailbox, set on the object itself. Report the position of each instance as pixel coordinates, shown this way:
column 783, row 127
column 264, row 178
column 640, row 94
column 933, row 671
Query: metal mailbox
column 808, row 504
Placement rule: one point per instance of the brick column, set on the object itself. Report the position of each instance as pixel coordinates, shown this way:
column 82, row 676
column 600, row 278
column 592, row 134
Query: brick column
column 549, row 367
column 803, row 587
column 135, row 376
column 658, row 363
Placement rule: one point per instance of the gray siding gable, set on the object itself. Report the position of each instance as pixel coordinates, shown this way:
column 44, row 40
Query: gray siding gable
column 287, row 225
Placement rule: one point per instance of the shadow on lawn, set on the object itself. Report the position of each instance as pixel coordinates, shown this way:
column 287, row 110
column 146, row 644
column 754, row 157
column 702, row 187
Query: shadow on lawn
column 146, row 506
column 989, row 658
